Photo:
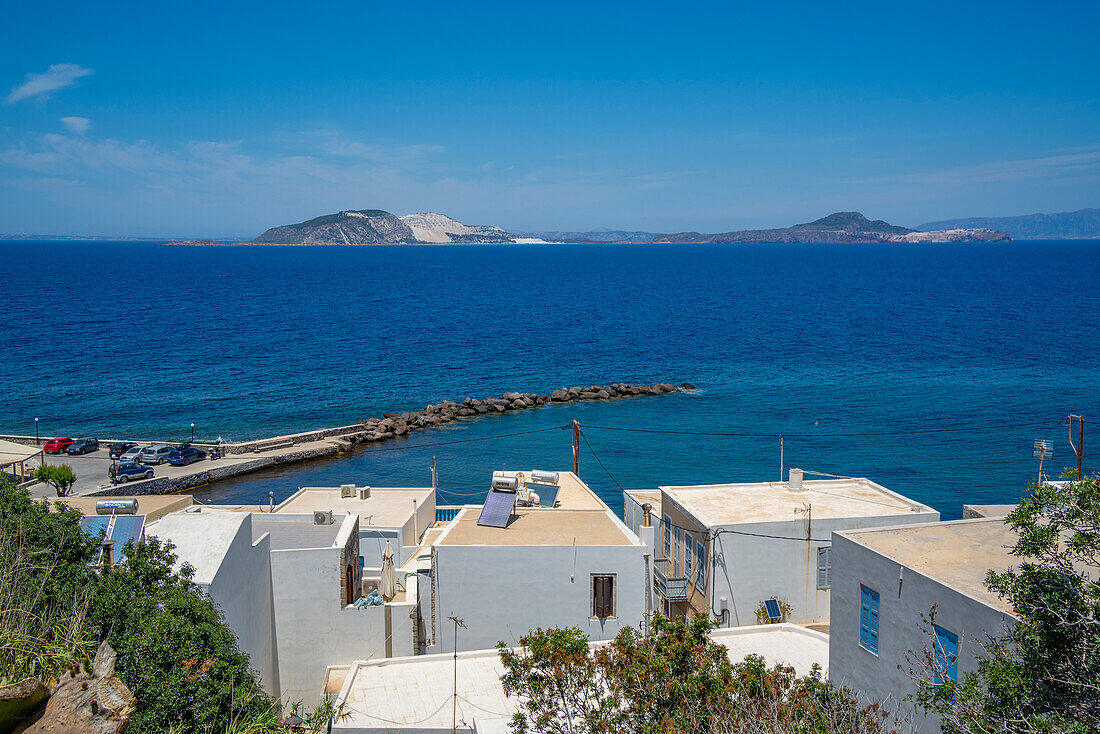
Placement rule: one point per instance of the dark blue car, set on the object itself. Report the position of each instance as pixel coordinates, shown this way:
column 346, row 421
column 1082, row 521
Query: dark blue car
column 186, row 456
column 124, row 471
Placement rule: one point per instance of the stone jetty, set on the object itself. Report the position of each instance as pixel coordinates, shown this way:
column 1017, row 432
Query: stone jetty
column 392, row 425
column 245, row 457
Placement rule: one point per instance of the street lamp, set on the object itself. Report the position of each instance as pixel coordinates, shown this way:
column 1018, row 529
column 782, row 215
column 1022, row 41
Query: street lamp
column 35, row 431
column 192, row 433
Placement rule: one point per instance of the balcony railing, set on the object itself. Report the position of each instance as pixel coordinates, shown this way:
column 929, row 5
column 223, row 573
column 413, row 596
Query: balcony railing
column 672, row 589
column 446, row 513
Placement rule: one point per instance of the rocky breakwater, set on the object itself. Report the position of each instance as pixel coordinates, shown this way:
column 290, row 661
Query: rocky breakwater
column 391, row 425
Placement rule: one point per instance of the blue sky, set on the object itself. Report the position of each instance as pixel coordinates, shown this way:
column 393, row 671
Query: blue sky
column 219, row 119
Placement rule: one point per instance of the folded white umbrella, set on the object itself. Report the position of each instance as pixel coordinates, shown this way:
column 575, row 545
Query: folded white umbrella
column 387, row 587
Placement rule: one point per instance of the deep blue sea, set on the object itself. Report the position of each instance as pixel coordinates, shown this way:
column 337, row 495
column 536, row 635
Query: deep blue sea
column 861, row 355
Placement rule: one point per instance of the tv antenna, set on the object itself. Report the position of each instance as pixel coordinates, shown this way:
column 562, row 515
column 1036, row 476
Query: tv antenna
column 1042, row 449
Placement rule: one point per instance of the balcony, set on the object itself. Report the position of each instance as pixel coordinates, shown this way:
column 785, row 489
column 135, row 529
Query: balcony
column 446, row 513
column 672, row 589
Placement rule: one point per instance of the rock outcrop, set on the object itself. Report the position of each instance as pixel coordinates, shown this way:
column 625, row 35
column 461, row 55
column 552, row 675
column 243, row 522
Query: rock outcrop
column 83, row 702
column 839, row 227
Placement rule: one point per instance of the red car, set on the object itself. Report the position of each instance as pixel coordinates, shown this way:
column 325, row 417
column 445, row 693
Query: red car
column 57, row 445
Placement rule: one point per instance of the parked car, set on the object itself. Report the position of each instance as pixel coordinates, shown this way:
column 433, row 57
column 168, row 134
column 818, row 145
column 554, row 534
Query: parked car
column 83, row 446
column 155, row 454
column 124, row 471
column 57, row 445
column 119, row 448
column 186, row 456
column 132, row 454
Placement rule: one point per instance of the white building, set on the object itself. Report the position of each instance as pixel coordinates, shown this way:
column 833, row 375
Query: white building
column 421, row 694
column 287, row 581
column 724, row 549
column 571, row 564
column 885, row 582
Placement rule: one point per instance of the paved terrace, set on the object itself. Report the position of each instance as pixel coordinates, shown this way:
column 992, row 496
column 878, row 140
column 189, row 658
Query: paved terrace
column 958, row 554
column 578, row 517
column 414, row 693
column 730, row 504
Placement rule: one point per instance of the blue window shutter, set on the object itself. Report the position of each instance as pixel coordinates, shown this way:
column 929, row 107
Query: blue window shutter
column 947, row 654
column 868, row 618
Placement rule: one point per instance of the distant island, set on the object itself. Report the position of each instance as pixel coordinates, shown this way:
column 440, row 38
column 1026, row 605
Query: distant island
column 377, row 227
column 1083, row 224
column 841, row 227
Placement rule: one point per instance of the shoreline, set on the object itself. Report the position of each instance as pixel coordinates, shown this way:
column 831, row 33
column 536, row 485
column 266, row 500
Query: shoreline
column 304, row 446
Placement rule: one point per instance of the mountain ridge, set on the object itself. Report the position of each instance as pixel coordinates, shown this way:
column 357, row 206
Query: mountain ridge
column 1082, row 224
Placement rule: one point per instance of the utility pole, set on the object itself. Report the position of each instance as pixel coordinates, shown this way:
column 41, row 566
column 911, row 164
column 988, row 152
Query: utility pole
column 454, row 691
column 1079, row 449
column 576, row 448
column 781, row 457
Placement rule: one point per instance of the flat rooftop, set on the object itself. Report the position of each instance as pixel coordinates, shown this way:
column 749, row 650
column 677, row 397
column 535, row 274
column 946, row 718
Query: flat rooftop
column 579, row 516
column 411, row 692
column 958, row 554
column 295, row 532
column 201, row 538
column 386, row 506
column 731, row 504
column 153, row 506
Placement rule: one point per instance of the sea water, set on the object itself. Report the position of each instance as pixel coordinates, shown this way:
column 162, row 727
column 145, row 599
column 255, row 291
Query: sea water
column 929, row 368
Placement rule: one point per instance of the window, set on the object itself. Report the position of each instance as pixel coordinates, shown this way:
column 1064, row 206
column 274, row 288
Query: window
column 868, row 618
column 667, row 522
column 677, row 544
column 603, row 596
column 947, row 654
column 824, row 566
column 700, row 566
column 689, row 549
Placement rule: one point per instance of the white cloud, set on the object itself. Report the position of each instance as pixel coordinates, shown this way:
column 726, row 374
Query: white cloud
column 77, row 125
column 58, row 76
column 1000, row 171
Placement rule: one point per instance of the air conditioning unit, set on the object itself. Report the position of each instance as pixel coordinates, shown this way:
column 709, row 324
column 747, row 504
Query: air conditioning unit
column 322, row 517
column 364, row 493
column 347, row 490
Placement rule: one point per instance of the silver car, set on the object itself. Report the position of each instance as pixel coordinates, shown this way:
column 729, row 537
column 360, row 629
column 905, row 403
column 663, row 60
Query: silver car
column 155, row 454
column 132, row 454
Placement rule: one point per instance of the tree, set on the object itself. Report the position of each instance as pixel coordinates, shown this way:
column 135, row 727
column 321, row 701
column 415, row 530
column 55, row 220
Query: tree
column 1043, row 674
column 175, row 652
column 674, row 679
column 60, row 477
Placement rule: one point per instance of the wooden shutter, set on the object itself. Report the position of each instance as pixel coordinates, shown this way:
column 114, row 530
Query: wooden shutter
column 824, row 566
column 603, row 591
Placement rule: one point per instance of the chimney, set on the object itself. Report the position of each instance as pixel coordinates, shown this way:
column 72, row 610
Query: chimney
column 795, row 483
column 646, row 510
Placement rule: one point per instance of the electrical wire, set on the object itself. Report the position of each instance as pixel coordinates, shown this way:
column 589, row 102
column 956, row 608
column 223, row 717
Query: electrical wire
column 785, row 434
column 472, row 440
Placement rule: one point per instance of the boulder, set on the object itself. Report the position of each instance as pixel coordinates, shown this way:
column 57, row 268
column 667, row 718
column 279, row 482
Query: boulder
column 559, row 396
column 527, row 400
column 588, row 395
column 666, row 387
column 498, row 408
column 686, row 386
column 86, row 703
column 518, row 404
column 603, row 395
column 400, row 429
column 481, row 408
column 510, row 396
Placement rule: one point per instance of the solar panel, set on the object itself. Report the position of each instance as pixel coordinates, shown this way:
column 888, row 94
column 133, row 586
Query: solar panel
column 771, row 606
column 95, row 526
column 127, row 527
column 497, row 510
column 548, row 493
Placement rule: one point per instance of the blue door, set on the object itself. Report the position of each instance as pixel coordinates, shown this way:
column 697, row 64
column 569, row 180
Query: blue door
column 947, row 655
column 868, row 618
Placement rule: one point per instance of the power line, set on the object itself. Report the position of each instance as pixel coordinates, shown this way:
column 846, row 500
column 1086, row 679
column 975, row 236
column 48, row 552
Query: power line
column 740, row 434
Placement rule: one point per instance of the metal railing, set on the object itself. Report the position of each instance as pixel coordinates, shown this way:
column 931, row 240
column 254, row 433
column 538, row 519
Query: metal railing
column 671, row 588
column 446, row 513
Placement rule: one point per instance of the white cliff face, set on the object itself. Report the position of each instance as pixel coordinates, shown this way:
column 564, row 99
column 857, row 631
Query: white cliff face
column 439, row 228
column 953, row 235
